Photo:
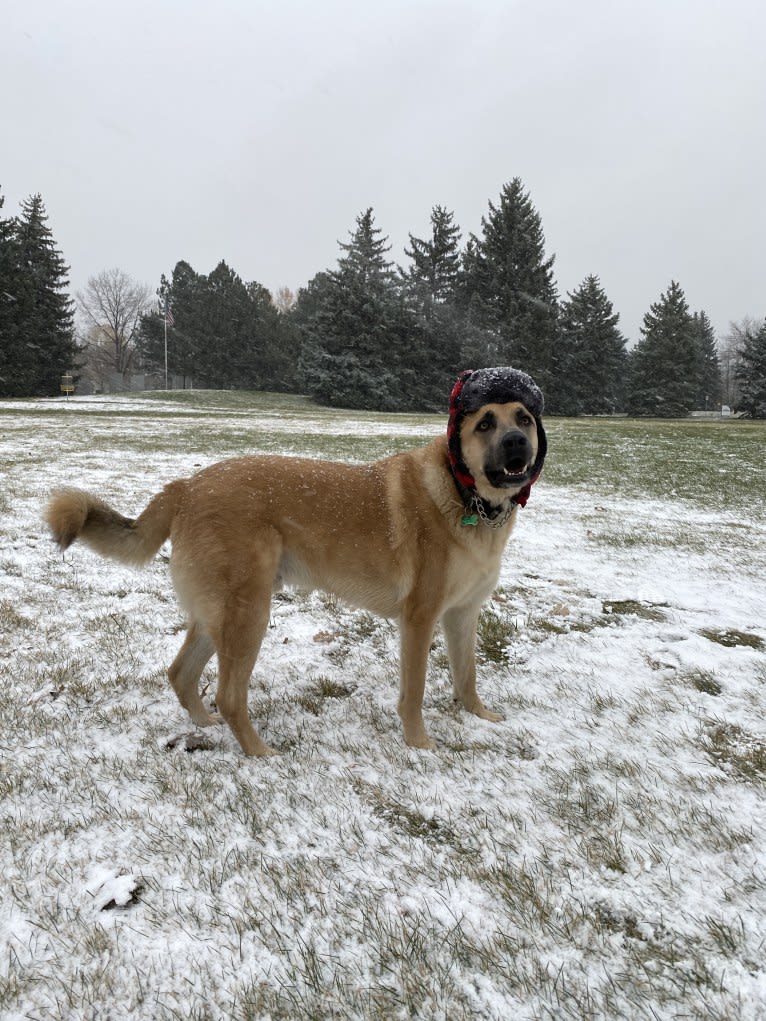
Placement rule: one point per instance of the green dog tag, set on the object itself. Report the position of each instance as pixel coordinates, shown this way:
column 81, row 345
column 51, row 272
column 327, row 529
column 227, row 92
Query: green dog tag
column 470, row 519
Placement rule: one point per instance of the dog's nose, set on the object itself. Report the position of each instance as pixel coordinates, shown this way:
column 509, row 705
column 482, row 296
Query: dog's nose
column 515, row 443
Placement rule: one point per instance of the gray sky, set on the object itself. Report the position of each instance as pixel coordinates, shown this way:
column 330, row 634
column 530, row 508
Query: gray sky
column 256, row 133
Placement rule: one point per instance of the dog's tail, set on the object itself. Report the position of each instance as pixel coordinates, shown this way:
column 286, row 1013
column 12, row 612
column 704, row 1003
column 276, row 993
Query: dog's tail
column 73, row 514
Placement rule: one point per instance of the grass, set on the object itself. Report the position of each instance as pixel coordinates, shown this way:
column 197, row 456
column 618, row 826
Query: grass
column 732, row 638
column 713, row 463
column 598, row 855
column 633, row 608
column 732, row 747
column 494, row 636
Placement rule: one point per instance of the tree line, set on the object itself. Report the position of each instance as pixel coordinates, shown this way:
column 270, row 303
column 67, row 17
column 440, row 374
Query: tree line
column 368, row 333
column 221, row 332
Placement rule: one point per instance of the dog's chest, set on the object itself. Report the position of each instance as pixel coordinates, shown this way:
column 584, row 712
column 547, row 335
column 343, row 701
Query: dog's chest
column 472, row 573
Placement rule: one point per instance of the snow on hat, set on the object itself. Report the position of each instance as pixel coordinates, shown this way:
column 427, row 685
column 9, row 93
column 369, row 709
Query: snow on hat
column 477, row 387
column 497, row 386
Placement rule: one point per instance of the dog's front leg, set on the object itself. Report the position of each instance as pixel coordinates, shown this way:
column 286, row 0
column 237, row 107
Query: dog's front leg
column 417, row 630
column 459, row 625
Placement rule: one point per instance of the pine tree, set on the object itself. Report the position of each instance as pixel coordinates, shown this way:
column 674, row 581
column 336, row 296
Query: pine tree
column 8, row 302
column 353, row 343
column 509, row 283
column 479, row 342
column 751, row 372
column 183, row 294
column 365, row 258
column 39, row 344
column 709, row 389
column 225, row 333
column 592, row 358
column 275, row 343
column 227, row 358
column 432, row 277
column 433, row 351
column 663, row 371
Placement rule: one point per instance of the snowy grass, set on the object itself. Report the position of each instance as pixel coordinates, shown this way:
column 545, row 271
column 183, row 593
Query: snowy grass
column 600, row 854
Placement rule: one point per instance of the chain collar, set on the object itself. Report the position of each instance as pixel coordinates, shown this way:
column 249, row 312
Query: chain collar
column 480, row 511
column 476, row 507
column 494, row 522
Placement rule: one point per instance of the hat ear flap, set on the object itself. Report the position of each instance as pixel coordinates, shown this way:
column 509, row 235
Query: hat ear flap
column 542, row 450
column 455, row 453
column 457, row 389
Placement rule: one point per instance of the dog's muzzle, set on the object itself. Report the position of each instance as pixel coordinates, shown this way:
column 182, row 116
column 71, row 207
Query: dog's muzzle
column 512, row 465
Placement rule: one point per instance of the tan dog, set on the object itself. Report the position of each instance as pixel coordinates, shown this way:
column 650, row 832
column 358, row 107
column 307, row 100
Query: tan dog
column 404, row 537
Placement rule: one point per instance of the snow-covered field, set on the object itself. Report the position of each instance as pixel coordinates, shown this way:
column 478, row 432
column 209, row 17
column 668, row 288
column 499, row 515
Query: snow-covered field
column 600, row 854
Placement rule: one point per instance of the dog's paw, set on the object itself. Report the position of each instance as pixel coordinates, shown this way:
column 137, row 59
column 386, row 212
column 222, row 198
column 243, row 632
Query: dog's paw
column 488, row 714
column 259, row 749
column 479, row 709
column 422, row 741
column 206, row 719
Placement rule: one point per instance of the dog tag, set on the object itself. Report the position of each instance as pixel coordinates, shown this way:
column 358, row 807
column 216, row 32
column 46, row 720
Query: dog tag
column 470, row 519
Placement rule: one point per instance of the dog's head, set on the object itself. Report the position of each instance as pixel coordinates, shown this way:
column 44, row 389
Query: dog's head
column 497, row 443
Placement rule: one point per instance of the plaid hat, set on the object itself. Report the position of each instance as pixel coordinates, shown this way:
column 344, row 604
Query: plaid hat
column 475, row 388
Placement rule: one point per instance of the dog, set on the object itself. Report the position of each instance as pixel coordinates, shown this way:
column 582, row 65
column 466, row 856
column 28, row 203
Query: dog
column 417, row 537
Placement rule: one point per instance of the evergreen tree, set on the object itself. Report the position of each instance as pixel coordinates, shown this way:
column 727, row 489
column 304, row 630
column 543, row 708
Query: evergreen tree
column 663, row 376
column 508, row 282
column 479, row 342
column 709, row 387
column 224, row 334
column 310, row 299
column 751, row 372
column 38, row 341
column 353, row 343
column 436, row 333
column 365, row 253
column 592, row 357
column 8, row 301
column 275, row 343
column 226, row 359
column 183, row 294
column 432, row 277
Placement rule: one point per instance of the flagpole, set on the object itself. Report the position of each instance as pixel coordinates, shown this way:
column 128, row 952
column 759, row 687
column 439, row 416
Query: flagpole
column 166, row 343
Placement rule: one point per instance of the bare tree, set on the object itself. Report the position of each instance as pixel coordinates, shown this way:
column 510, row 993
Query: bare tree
column 112, row 305
column 98, row 365
column 730, row 354
column 284, row 299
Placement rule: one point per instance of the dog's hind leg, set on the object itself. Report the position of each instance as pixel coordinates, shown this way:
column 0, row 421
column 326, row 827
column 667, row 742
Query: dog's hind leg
column 186, row 670
column 459, row 625
column 237, row 637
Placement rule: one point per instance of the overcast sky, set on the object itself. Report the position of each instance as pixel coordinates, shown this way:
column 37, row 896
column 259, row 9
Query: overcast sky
column 256, row 133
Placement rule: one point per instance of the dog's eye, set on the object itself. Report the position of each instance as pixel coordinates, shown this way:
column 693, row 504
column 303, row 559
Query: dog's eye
column 525, row 420
column 485, row 425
